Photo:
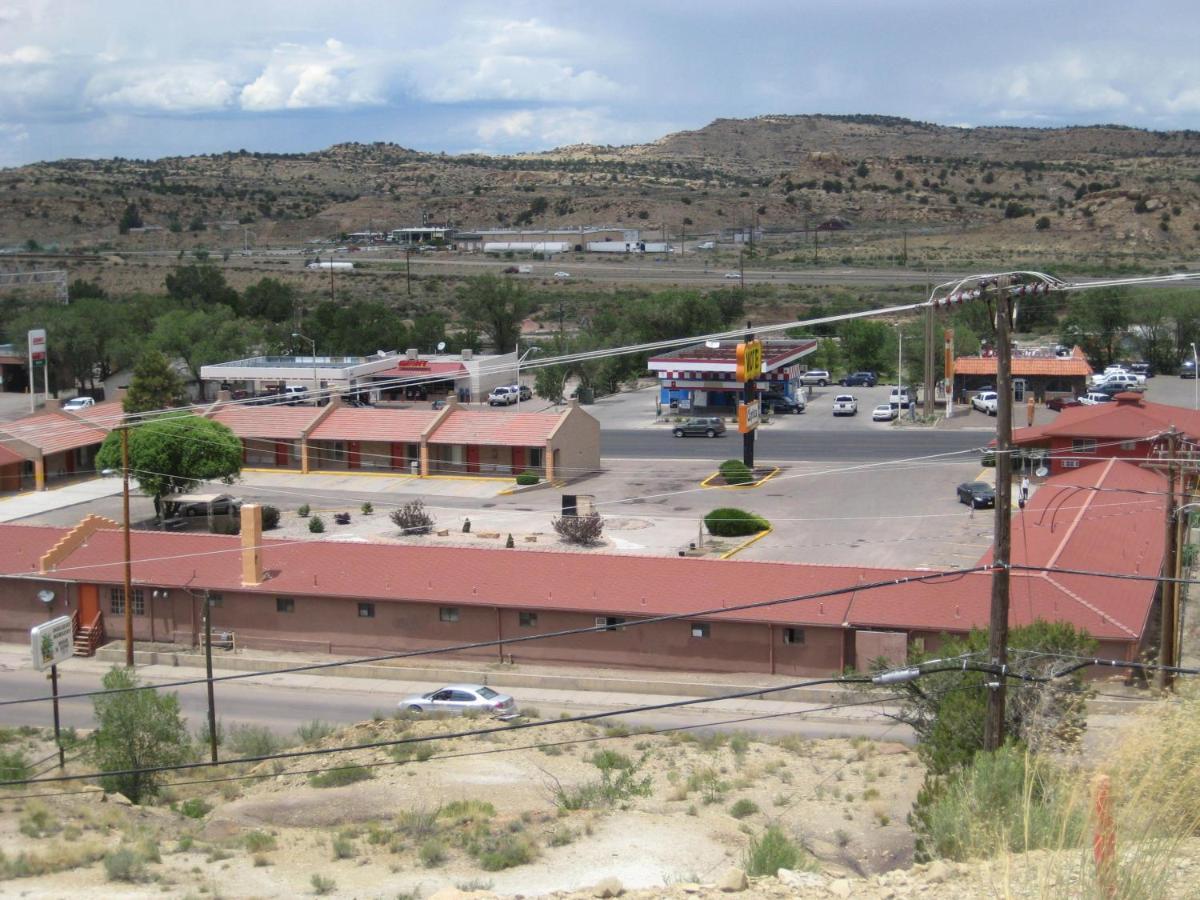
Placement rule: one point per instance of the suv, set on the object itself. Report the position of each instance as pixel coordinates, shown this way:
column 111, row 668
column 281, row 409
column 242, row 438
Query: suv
column 815, row 376
column 778, row 403
column 1126, row 381
column 77, row 403
column 503, row 396
column 709, row 427
column 860, row 379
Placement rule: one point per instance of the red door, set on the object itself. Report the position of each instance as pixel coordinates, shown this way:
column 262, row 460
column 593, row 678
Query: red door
column 398, row 461
column 69, row 459
column 282, row 457
column 472, row 457
column 518, row 460
column 352, row 454
column 89, row 603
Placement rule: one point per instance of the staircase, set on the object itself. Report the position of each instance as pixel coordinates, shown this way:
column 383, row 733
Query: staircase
column 88, row 637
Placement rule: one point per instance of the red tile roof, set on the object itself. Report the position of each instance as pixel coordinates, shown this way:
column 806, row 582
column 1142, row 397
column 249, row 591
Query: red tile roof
column 1075, row 364
column 53, row 431
column 107, row 415
column 1129, row 417
column 7, row 457
column 271, row 422
column 464, row 426
column 356, row 424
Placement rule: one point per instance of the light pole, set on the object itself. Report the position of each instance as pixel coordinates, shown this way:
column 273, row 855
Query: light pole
column 313, row 345
column 1196, row 378
column 521, row 359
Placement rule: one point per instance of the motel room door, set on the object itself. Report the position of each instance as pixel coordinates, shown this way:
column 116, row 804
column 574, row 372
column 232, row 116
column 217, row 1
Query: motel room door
column 89, row 603
column 472, row 457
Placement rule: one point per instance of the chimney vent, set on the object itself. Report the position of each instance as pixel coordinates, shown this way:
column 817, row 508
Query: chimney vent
column 252, row 567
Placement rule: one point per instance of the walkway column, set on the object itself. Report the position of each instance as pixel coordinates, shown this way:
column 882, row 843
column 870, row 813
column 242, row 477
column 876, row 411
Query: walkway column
column 424, row 453
column 549, row 457
column 39, row 474
column 303, row 457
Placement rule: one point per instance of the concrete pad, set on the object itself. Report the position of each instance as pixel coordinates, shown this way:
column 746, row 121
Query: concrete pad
column 37, row 502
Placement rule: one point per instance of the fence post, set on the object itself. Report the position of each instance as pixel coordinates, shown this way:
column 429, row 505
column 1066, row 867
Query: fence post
column 1104, row 840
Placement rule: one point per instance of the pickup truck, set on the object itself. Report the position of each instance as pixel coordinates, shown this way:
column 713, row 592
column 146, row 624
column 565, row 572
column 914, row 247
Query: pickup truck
column 986, row 402
column 845, row 405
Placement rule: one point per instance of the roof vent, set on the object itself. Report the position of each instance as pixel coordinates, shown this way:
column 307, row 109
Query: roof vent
column 412, row 353
column 468, row 354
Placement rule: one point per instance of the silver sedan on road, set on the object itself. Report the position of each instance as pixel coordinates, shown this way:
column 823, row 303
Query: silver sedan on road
column 457, row 699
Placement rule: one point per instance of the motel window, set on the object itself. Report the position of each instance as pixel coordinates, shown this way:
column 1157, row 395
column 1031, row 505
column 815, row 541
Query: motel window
column 1070, row 464
column 610, row 623
column 700, row 630
column 1083, row 445
column 216, row 600
column 116, row 600
column 793, row 635
column 527, row 619
column 448, row 613
column 285, row 604
column 366, row 610
column 1128, row 445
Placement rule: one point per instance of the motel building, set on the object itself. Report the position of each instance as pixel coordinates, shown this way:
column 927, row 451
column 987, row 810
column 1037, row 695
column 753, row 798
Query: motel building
column 703, row 378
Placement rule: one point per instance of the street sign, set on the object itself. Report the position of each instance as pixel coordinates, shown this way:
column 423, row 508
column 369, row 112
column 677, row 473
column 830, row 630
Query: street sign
column 37, row 347
column 748, row 416
column 749, row 360
column 52, row 642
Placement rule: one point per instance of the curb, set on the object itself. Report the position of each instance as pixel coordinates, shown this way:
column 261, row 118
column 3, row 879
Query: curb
column 742, row 546
column 775, row 470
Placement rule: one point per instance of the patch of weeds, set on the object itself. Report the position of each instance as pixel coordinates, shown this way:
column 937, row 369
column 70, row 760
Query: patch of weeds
column 551, row 750
column 531, row 712
column 842, row 838
column 195, row 808
column 253, row 740
column 258, row 841
column 314, row 731
column 218, row 854
column 401, row 753
column 711, row 742
column 340, row 777
column 261, row 860
column 322, row 885
column 782, row 800
column 432, row 853
column 739, row 744
column 614, row 786
column 870, row 794
column 425, row 751
column 709, row 783
column 377, row 834
column 774, row 850
column 343, row 848
column 742, row 808
column 561, row 836
column 475, row 884
column 124, row 864
column 14, row 765
column 607, row 760
column 507, row 851
column 461, row 812
column 36, row 821
column 616, row 730
column 184, row 844
column 882, row 818
column 417, row 823
column 692, row 811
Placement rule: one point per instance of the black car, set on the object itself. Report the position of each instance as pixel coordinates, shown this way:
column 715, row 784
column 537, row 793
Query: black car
column 778, row 403
column 860, row 379
column 977, row 494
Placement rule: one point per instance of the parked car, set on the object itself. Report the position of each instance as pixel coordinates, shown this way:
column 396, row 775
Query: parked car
column 733, row 275
column 562, row 274
column 1142, row 368
column 510, row 270
column 1091, row 398
column 1187, row 368
column 884, row 412
column 456, row 699
column 503, row 396
column 1058, row 404
column 977, row 494
column 779, row 403
column 1125, row 381
column 901, row 397
column 845, row 405
column 76, row 403
column 816, row 376
column 986, row 402
column 222, row 506
column 711, row 426
column 860, row 379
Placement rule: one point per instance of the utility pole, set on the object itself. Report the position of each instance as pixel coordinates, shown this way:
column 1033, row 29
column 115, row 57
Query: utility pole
column 749, row 391
column 212, row 705
column 332, row 298
column 930, row 364
column 993, row 725
column 814, row 246
column 128, row 553
column 408, row 269
column 1169, row 589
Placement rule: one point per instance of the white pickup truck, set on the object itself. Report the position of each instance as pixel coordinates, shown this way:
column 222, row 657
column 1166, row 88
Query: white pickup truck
column 986, row 402
column 845, row 405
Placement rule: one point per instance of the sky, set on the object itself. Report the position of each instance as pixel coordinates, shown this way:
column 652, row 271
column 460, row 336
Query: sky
column 145, row 79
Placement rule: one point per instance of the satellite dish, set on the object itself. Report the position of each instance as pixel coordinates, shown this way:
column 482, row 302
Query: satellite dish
column 1041, row 472
column 46, row 596
column 441, row 346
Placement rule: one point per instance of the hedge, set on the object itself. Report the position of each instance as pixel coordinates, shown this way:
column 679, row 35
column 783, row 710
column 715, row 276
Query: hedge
column 734, row 471
column 526, row 478
column 729, row 522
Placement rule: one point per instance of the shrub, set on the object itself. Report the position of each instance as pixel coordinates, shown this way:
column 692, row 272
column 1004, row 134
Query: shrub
column 727, row 521
column 412, row 518
column 432, row 853
column 124, row 865
column 311, row 732
column 321, row 884
column 734, row 471
column 342, row 518
column 583, row 530
column 527, row 478
column 36, row 821
column 1042, row 224
column 316, row 525
column 340, row 776
column 742, row 808
column 195, row 808
column 773, row 850
column 506, row 851
column 303, row 511
column 258, row 841
column 366, row 509
column 270, row 517
column 253, row 740
column 343, row 847
column 14, row 765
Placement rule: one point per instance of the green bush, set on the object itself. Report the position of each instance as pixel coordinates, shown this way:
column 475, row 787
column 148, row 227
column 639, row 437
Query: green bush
column 773, row 850
column 253, row 740
column 527, row 478
column 14, row 765
column 124, row 865
column 258, row 841
column 195, row 808
column 313, row 731
column 507, row 851
column 367, row 508
column 270, row 517
column 742, row 808
column 322, row 885
column 729, row 522
column 340, row 776
column 303, row 510
column 316, row 525
column 432, row 853
column 734, row 471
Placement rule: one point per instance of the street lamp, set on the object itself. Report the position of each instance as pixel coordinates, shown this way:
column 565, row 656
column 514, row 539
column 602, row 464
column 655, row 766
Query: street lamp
column 313, row 345
column 521, row 359
column 1196, row 377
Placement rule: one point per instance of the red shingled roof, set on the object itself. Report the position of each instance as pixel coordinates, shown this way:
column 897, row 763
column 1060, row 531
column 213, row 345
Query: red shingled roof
column 53, row 431
column 355, row 424
column 1075, row 364
column 1129, row 417
column 272, row 422
column 464, row 426
column 8, row 457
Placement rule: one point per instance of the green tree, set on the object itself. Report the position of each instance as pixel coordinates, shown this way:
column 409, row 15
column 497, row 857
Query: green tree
column 428, row 331
column 174, row 453
column 827, row 356
column 864, row 344
column 356, row 330
column 80, row 289
column 154, row 385
column 270, row 299
column 130, row 218
column 137, row 730
column 1097, row 321
column 200, row 337
column 200, row 286
column 497, row 307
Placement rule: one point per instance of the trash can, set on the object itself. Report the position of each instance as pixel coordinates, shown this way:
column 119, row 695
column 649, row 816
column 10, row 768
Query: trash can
column 586, row 396
column 414, row 468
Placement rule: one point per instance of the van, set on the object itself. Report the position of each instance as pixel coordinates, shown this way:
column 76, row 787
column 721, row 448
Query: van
column 525, row 270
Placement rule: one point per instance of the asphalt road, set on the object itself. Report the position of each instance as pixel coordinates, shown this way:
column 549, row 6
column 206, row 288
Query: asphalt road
column 793, row 445
column 282, row 708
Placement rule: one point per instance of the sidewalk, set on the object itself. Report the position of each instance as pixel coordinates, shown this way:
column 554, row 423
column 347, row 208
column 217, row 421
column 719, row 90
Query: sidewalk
column 33, row 503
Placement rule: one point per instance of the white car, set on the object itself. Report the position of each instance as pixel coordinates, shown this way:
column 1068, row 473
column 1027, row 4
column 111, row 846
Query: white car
column 986, row 402
column 733, row 275
column 845, row 405
column 562, row 274
column 76, row 403
column 884, row 412
column 503, row 396
column 457, row 699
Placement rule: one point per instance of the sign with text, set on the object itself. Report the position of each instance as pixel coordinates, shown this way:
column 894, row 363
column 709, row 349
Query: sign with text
column 52, row 642
column 748, row 416
column 749, row 360
column 37, row 347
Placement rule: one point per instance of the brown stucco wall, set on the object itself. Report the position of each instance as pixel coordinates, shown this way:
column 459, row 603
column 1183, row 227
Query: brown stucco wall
column 577, row 440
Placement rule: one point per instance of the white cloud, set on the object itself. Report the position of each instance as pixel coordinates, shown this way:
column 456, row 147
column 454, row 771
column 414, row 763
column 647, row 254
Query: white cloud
column 560, row 126
column 299, row 77
column 184, row 89
column 29, row 55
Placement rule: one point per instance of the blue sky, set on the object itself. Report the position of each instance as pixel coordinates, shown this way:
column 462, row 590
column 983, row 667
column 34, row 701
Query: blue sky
column 149, row 79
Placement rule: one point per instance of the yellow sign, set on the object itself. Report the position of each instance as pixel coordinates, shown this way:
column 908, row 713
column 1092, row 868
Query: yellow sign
column 748, row 416
column 749, row 360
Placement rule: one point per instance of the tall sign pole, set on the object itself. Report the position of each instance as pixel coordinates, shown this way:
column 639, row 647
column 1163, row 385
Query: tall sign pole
column 993, row 725
column 749, row 368
column 128, row 556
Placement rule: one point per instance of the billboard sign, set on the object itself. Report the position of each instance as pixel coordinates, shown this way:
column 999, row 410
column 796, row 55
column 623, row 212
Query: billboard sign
column 52, row 642
column 748, row 416
column 37, row 347
column 749, row 360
